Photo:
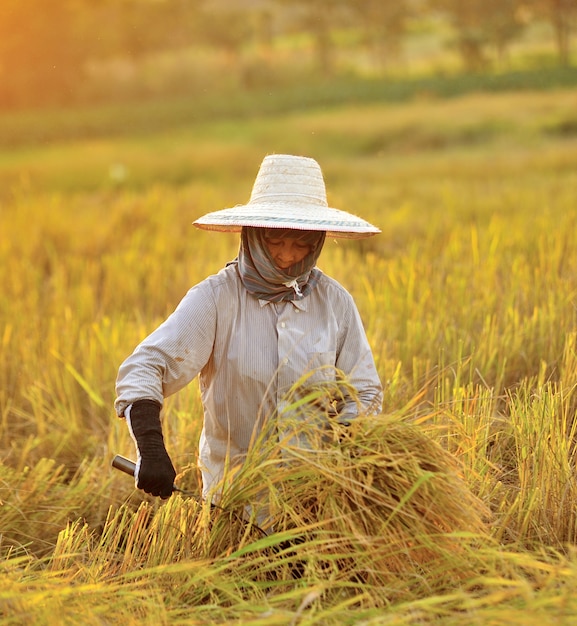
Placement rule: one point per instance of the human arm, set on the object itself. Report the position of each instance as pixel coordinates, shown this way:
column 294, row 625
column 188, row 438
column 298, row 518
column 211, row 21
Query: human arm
column 172, row 355
column 167, row 360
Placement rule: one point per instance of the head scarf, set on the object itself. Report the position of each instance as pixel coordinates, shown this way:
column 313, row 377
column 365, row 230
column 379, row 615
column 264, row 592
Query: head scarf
column 263, row 279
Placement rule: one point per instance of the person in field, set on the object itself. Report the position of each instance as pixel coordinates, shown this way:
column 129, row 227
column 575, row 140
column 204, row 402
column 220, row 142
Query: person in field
column 251, row 331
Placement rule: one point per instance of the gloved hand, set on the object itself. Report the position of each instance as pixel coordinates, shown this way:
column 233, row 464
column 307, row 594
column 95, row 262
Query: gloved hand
column 154, row 472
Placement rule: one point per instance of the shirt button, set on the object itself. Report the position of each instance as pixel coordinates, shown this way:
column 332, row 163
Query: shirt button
column 282, row 324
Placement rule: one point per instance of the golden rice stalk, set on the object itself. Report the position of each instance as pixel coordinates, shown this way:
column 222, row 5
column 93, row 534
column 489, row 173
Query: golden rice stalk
column 376, row 502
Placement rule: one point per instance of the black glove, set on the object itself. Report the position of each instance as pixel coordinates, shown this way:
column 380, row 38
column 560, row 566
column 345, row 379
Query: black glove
column 154, row 472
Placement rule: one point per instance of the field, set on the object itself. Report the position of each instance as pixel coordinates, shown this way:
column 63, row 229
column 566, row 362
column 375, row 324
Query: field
column 455, row 507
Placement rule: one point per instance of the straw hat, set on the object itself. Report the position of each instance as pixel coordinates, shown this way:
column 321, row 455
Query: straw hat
column 289, row 192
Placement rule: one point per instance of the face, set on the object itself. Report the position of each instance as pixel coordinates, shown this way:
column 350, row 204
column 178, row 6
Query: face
column 286, row 251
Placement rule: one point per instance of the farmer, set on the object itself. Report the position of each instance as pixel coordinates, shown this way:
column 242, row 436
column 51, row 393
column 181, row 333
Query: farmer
column 253, row 330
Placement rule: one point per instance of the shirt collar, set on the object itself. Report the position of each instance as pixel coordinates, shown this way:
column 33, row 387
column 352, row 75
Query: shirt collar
column 301, row 305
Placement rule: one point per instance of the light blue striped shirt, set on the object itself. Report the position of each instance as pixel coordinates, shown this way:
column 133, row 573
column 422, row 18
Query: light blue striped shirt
column 248, row 354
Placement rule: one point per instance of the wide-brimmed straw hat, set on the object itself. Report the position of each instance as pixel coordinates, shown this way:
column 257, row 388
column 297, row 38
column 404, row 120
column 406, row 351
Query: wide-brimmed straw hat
column 289, row 192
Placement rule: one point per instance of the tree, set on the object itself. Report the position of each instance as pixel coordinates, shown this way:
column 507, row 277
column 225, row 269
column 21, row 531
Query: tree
column 502, row 23
column 479, row 24
column 319, row 18
column 383, row 25
column 142, row 27
column 562, row 15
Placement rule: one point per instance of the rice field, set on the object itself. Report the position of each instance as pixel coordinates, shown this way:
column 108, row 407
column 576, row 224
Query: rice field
column 455, row 507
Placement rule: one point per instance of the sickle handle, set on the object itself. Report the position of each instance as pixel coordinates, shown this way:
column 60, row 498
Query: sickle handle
column 124, row 465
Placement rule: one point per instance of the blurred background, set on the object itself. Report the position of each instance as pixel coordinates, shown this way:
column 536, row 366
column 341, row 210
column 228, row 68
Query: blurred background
column 71, row 53
column 449, row 124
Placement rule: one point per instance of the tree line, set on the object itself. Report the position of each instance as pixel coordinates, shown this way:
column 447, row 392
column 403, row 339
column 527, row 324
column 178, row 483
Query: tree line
column 47, row 46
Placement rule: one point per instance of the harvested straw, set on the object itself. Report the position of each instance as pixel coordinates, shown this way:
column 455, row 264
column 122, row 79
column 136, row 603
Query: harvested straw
column 377, row 502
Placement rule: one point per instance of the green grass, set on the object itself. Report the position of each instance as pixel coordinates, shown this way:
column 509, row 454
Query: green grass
column 433, row 131
column 454, row 507
column 34, row 128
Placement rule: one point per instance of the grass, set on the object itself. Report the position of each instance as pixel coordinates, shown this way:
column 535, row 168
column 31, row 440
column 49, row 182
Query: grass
column 32, row 128
column 456, row 506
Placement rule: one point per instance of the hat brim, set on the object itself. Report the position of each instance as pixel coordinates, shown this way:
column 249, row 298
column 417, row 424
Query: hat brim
column 336, row 223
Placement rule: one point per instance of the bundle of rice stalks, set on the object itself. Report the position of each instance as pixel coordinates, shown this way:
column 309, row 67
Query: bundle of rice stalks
column 377, row 502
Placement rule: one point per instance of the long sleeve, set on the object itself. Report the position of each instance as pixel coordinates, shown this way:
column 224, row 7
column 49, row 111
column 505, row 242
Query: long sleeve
column 171, row 356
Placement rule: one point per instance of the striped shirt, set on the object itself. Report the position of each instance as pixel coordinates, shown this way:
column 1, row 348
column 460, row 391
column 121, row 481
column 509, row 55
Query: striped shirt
column 248, row 354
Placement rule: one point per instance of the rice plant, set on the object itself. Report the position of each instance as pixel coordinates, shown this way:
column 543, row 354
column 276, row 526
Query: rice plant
column 455, row 506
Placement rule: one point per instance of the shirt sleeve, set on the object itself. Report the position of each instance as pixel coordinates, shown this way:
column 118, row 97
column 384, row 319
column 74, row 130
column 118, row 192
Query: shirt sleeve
column 172, row 355
column 355, row 360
